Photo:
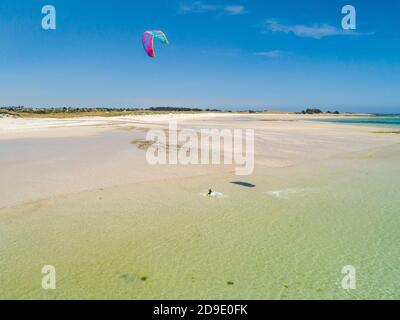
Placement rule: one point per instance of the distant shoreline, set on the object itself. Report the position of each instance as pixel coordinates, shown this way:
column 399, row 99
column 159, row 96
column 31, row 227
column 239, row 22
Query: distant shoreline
column 62, row 113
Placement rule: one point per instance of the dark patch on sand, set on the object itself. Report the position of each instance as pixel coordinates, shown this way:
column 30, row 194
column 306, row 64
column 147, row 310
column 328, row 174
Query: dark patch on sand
column 132, row 278
column 387, row 132
column 142, row 144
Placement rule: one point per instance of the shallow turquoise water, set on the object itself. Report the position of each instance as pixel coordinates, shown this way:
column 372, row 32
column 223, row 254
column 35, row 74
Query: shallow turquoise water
column 374, row 121
column 288, row 244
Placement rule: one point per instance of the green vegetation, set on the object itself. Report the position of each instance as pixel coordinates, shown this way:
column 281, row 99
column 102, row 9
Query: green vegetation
column 69, row 112
column 316, row 111
column 311, row 111
column 5, row 113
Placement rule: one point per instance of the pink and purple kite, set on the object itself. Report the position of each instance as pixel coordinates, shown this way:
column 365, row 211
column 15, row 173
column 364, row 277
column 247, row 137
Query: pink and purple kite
column 148, row 41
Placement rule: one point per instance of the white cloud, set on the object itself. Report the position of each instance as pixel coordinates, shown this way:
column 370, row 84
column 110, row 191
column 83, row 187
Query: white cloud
column 197, row 7
column 234, row 10
column 271, row 54
column 314, row 31
column 201, row 7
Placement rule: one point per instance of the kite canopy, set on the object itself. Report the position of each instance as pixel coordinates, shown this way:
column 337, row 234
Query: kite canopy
column 148, row 41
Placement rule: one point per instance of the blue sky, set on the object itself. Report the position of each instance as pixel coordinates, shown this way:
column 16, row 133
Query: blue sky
column 227, row 54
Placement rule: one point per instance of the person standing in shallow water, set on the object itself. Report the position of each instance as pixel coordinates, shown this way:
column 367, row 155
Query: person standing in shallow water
column 214, row 194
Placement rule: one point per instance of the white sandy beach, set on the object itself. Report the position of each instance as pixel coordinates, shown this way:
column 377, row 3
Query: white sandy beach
column 104, row 157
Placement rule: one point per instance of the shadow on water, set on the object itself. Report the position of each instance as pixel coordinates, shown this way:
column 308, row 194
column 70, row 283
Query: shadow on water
column 243, row 184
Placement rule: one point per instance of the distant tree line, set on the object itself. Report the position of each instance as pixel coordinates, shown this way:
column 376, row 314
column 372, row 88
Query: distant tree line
column 22, row 109
column 316, row 111
column 181, row 109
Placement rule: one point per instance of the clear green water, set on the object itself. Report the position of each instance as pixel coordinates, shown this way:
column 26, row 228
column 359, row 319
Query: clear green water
column 102, row 243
